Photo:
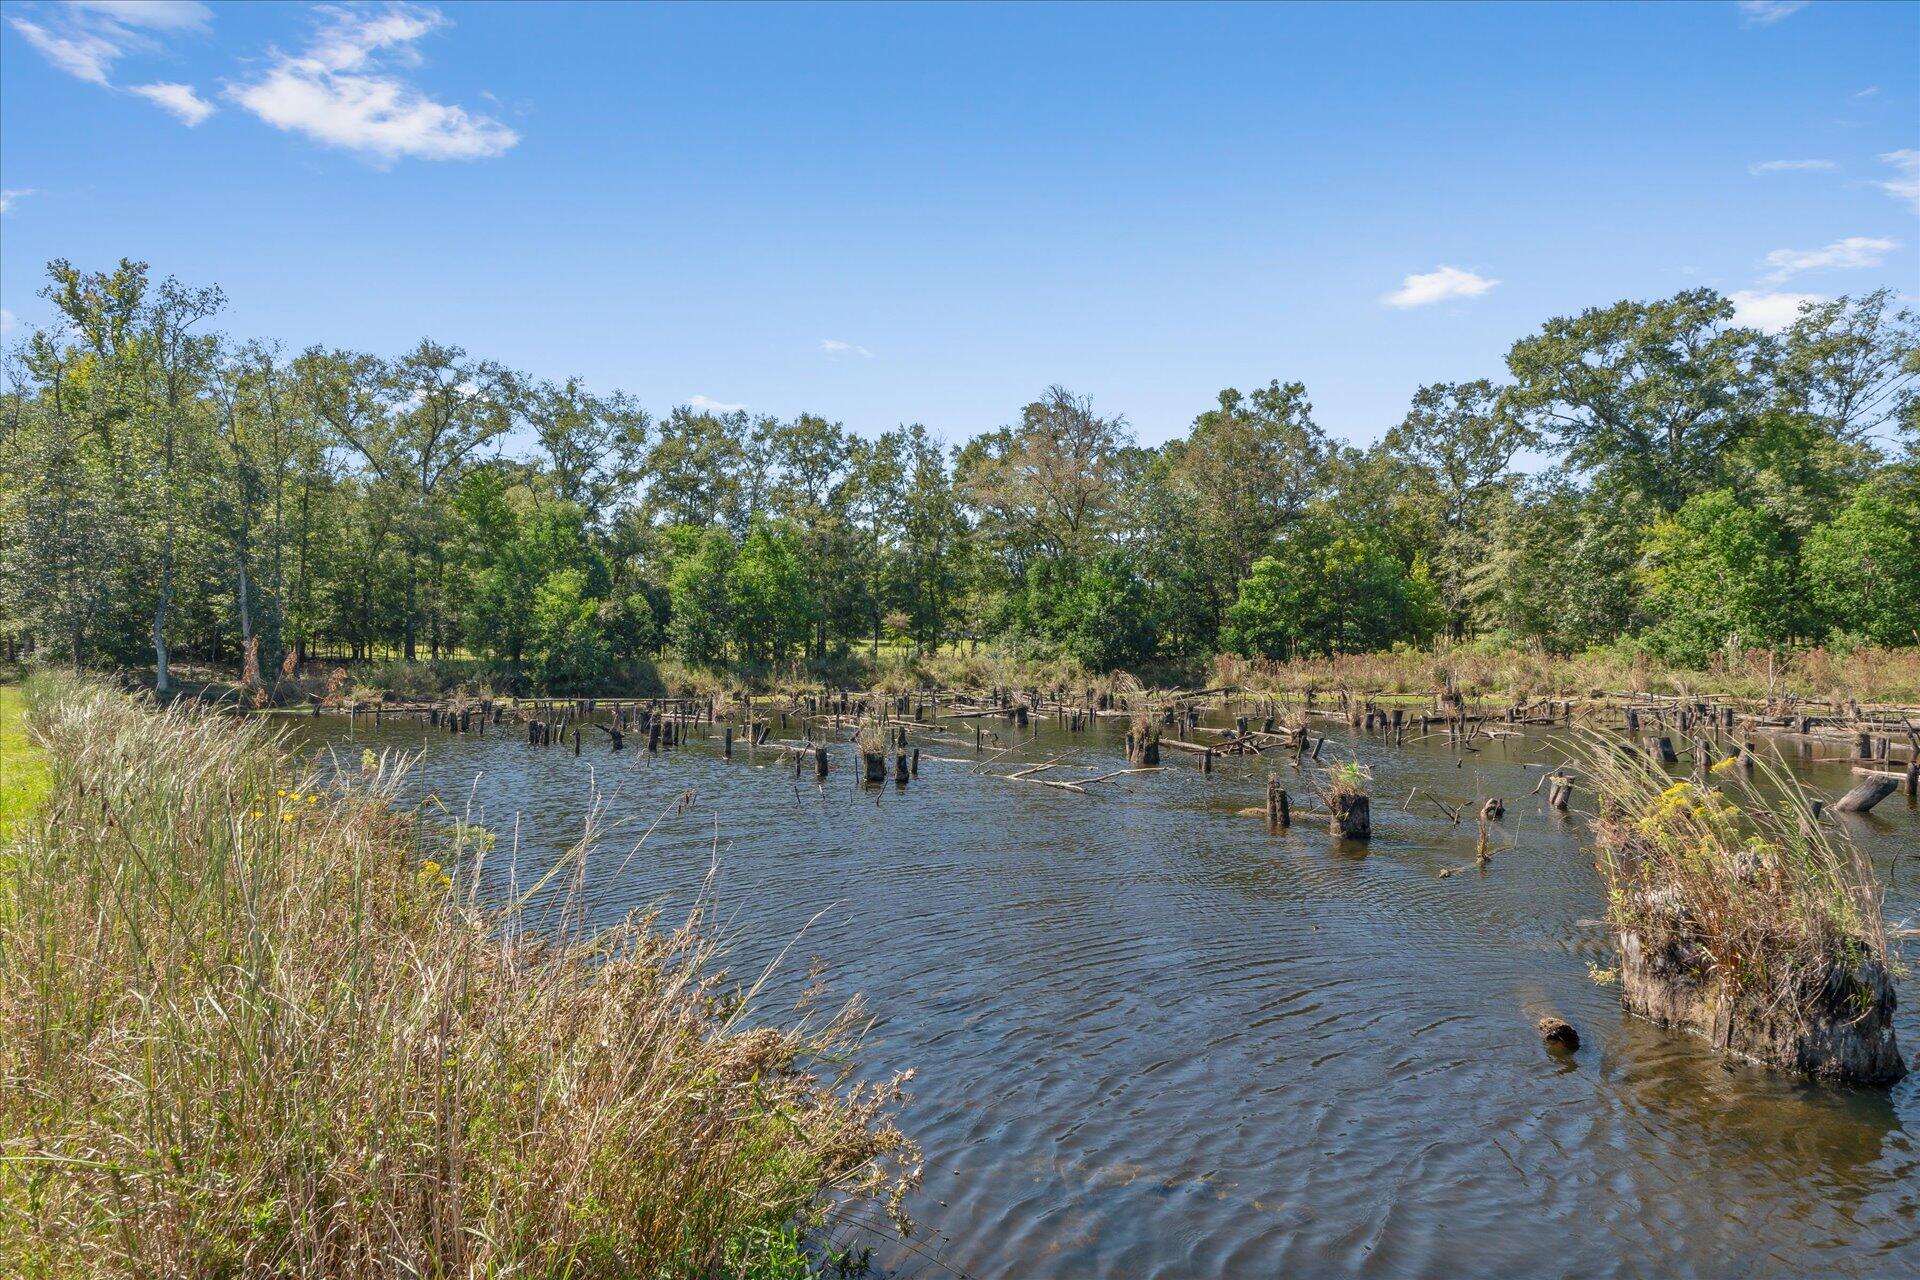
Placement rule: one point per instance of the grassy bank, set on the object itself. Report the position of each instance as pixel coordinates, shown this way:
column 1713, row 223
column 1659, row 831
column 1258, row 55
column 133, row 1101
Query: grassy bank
column 252, row 1023
column 1867, row 674
column 1479, row 670
column 23, row 771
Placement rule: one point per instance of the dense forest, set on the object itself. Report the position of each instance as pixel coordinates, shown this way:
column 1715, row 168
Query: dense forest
column 1648, row 474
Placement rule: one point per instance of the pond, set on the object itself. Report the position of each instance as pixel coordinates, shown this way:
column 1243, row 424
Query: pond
column 1152, row 1040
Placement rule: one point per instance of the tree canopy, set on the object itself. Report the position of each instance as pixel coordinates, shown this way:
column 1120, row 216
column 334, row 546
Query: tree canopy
column 1650, row 472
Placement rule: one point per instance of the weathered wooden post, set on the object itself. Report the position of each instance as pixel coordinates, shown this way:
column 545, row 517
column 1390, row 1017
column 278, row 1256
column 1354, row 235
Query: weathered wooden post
column 653, row 734
column 820, row 762
column 916, row 762
column 900, row 768
column 726, row 742
column 1277, row 811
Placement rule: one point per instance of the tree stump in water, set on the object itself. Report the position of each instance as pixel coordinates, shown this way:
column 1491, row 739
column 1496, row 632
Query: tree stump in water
column 1350, row 815
column 1868, row 794
column 1278, row 812
column 874, row 766
column 1835, row 1022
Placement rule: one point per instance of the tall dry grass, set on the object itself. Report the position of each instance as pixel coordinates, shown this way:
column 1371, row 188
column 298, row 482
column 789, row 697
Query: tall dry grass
column 1737, row 867
column 254, row 1023
column 1866, row 674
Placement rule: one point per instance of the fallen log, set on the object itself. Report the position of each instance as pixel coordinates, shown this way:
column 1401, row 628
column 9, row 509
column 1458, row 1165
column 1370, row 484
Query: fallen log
column 1867, row 794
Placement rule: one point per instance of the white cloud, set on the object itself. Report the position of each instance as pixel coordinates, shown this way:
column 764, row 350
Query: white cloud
column 341, row 92
column 1841, row 255
column 713, row 406
column 835, row 347
column 84, row 38
column 12, row 196
column 179, row 99
column 159, row 15
column 6, row 322
column 1437, row 286
column 87, row 57
column 1906, row 185
column 1764, row 13
column 1868, row 92
column 1770, row 312
column 1790, row 166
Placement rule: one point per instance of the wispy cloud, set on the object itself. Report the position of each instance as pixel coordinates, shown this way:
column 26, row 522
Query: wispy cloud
column 343, row 91
column 1905, row 184
column 713, row 406
column 1770, row 312
column 1764, row 13
column 1870, row 91
column 155, row 15
column 1841, row 255
column 1791, row 166
column 85, row 38
column 179, row 99
column 6, row 322
column 87, row 57
column 1426, row 288
column 835, row 347
column 13, row 196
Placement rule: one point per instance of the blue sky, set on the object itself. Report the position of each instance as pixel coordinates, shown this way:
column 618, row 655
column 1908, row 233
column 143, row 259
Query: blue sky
column 929, row 213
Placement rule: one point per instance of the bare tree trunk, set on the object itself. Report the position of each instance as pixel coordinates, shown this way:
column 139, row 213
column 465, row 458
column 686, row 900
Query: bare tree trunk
column 162, row 678
column 245, row 609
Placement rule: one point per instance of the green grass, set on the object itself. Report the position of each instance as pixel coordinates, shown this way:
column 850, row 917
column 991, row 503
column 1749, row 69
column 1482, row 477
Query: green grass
column 255, row 1021
column 24, row 776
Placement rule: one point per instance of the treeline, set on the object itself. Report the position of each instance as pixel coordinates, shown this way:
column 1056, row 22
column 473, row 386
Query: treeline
column 1689, row 485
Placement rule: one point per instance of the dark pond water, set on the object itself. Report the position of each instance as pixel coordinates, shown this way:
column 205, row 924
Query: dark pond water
column 1153, row 1041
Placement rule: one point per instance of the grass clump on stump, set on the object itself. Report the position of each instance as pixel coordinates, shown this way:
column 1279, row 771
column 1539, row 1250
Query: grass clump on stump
column 1738, row 914
column 257, row 1023
column 1349, row 811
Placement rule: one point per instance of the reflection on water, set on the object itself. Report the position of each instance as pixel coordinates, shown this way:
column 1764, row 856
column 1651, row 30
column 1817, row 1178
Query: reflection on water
column 1153, row 1041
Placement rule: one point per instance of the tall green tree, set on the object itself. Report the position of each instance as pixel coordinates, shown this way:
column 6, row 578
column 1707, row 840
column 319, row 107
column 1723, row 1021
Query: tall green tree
column 1648, row 395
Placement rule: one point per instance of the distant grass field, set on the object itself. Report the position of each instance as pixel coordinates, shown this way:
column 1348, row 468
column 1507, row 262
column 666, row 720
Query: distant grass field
column 23, row 773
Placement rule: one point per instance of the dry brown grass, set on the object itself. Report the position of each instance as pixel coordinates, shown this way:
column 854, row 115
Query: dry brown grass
column 253, row 1022
column 1866, row 674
